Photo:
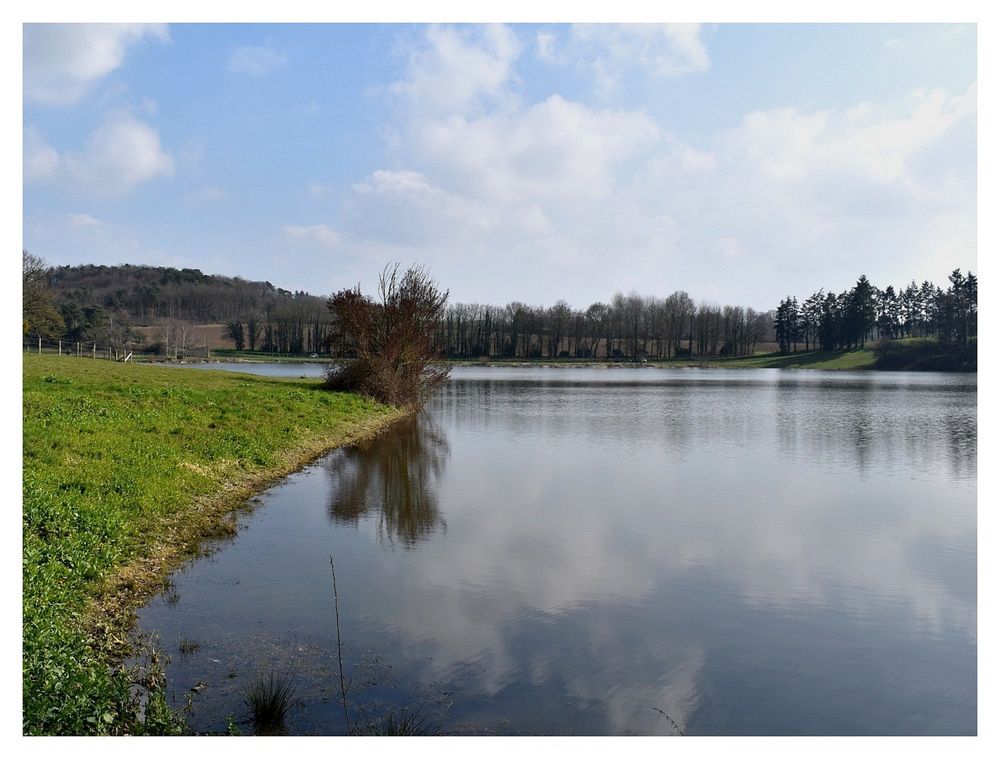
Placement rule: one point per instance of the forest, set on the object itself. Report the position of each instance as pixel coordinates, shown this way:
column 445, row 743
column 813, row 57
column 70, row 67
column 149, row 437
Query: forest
column 865, row 313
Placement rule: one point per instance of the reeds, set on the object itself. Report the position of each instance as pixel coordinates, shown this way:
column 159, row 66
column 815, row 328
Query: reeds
column 403, row 723
column 269, row 698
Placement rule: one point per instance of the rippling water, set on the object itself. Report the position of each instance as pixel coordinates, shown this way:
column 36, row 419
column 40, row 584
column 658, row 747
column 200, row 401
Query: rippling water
column 602, row 551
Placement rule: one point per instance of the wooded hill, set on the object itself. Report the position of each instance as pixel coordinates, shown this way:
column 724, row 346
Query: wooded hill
column 111, row 304
column 146, row 294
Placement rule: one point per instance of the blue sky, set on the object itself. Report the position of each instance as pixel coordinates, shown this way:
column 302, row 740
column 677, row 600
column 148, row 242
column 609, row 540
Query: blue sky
column 529, row 162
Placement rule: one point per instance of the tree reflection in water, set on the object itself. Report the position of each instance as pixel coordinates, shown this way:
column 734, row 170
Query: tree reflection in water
column 394, row 477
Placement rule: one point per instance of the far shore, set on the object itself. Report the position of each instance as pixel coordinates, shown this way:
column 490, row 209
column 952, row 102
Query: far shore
column 905, row 355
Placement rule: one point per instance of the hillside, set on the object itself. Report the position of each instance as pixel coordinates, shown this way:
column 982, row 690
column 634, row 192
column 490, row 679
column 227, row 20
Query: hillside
column 163, row 310
column 146, row 294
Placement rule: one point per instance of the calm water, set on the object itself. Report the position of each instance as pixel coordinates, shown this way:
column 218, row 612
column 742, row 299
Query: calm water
column 581, row 551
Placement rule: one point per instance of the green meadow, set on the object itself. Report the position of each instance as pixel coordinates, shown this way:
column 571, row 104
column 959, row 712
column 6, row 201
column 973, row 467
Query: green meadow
column 126, row 470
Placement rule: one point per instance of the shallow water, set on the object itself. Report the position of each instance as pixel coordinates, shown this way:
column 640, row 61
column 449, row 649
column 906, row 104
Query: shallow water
column 262, row 368
column 602, row 551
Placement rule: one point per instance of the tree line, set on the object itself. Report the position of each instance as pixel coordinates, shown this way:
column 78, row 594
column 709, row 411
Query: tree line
column 865, row 313
column 629, row 326
column 105, row 304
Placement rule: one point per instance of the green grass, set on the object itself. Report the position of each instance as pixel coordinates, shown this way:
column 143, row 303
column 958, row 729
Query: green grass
column 126, row 469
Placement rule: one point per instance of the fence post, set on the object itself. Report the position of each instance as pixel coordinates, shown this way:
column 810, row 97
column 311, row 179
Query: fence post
column 95, row 350
column 60, row 347
column 39, row 346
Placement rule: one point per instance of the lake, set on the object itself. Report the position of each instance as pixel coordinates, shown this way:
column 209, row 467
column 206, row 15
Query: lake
column 611, row 551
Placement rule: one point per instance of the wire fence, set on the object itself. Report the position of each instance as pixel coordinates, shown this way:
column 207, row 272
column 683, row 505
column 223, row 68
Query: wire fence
column 93, row 350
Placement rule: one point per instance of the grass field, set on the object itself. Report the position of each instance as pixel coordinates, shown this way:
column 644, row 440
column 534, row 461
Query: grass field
column 126, row 469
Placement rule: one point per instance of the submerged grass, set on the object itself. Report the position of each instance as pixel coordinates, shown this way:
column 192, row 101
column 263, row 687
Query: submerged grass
column 861, row 358
column 402, row 722
column 852, row 359
column 126, row 469
column 269, row 698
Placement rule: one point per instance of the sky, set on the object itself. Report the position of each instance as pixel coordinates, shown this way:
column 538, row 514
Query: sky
column 530, row 162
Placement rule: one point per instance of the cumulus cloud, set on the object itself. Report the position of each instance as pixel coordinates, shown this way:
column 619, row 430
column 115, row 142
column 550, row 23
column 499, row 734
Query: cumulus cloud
column 255, row 61
column 483, row 184
column 485, row 178
column 121, row 153
column 455, row 71
column 404, row 208
column 62, row 61
column 610, row 51
column 556, row 150
column 821, row 192
column 319, row 235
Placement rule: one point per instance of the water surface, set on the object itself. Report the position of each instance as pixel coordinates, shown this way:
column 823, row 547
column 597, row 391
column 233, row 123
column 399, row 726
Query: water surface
column 584, row 551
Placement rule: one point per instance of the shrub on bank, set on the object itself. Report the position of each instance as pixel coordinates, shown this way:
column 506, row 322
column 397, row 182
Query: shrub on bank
column 392, row 338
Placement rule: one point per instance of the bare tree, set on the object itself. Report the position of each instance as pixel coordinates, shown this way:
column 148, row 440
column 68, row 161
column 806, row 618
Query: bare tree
column 392, row 338
column 39, row 315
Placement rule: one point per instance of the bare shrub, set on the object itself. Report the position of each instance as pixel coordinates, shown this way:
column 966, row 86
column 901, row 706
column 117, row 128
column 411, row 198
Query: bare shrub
column 392, row 337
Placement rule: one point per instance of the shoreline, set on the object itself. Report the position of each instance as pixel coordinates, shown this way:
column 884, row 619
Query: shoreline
column 112, row 608
column 85, row 580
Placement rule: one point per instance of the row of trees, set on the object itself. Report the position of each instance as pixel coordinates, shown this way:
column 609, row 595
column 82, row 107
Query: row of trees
column 629, row 326
column 292, row 325
column 105, row 304
column 865, row 313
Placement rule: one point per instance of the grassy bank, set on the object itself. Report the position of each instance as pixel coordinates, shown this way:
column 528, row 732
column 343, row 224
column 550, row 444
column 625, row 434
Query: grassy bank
column 126, row 469
column 926, row 354
column 828, row 360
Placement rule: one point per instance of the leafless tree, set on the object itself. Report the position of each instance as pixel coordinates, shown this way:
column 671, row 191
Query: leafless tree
column 392, row 338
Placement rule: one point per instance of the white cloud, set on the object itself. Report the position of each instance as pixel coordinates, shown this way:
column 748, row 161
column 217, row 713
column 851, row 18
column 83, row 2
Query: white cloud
column 508, row 197
column 61, row 61
column 556, row 150
column 458, row 71
column 41, row 160
column 316, row 234
column 875, row 143
column 821, row 195
column 83, row 221
column 404, row 208
column 318, row 190
column 611, row 50
column 121, row 153
column 545, row 46
column 255, row 61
